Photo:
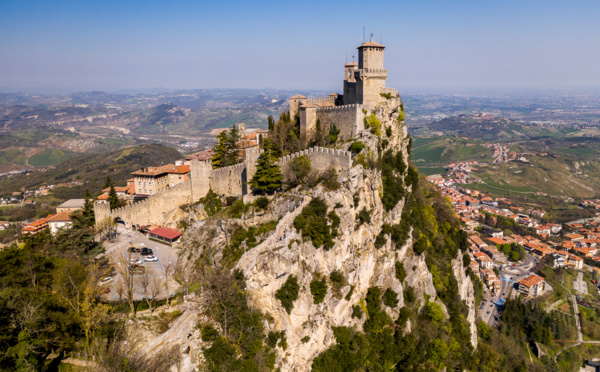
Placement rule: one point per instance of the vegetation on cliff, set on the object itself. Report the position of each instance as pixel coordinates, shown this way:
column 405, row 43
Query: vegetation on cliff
column 317, row 225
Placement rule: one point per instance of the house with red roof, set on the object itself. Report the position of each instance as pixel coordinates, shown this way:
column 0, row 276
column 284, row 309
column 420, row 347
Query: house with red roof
column 165, row 235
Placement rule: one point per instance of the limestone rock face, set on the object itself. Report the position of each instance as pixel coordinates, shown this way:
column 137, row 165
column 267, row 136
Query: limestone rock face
column 467, row 294
column 283, row 253
column 268, row 266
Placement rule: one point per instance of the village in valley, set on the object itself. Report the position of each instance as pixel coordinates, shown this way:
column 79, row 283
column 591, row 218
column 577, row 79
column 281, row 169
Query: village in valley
column 510, row 244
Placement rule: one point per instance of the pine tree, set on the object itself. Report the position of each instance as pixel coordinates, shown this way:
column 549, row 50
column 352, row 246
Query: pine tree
column 108, row 183
column 85, row 217
column 271, row 124
column 113, row 199
column 268, row 177
column 231, row 144
column 220, row 150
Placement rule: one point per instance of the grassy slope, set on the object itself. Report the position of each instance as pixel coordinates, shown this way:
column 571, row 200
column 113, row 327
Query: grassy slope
column 92, row 170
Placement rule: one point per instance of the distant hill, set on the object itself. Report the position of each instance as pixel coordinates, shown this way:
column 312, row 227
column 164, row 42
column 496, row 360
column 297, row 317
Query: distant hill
column 92, row 170
column 494, row 128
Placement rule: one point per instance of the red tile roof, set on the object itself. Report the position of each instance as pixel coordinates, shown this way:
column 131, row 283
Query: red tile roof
column 531, row 280
column 165, row 232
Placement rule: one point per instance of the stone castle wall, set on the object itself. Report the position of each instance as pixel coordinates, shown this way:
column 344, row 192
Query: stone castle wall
column 229, row 181
column 322, row 159
column 159, row 208
column 156, row 208
column 349, row 119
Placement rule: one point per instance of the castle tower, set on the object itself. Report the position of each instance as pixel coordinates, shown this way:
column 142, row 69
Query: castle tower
column 350, row 83
column 370, row 76
column 101, row 211
column 308, row 121
column 295, row 103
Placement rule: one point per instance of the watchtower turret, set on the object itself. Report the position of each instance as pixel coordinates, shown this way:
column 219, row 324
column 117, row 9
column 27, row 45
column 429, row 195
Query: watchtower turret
column 350, row 83
column 370, row 76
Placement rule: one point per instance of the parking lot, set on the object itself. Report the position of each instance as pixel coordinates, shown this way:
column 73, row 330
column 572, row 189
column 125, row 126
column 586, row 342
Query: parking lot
column 146, row 270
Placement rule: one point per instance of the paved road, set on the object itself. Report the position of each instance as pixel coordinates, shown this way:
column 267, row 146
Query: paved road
column 509, row 276
column 166, row 256
column 577, row 323
column 579, row 284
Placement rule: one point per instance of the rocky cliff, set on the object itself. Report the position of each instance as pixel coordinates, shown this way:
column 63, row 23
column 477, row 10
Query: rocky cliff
column 362, row 260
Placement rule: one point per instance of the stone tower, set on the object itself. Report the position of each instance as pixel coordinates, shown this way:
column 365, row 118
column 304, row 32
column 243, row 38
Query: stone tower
column 101, row 211
column 350, row 83
column 295, row 103
column 370, row 76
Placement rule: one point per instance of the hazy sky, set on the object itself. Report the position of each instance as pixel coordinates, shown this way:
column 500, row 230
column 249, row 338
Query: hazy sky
column 450, row 45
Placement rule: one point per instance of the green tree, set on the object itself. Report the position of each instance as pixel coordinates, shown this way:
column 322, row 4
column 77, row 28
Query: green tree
column 288, row 293
column 232, row 154
column 220, row 150
column 108, row 183
column 318, row 288
column 85, row 217
column 113, row 199
column 268, row 177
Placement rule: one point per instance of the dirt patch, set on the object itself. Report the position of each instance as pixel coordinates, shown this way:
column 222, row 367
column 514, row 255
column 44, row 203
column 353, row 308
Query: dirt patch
column 566, row 307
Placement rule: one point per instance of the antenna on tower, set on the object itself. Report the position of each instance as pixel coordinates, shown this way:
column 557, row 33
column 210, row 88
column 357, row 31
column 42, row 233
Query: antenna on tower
column 363, row 39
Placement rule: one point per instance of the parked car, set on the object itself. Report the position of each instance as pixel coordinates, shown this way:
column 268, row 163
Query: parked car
column 134, row 250
column 106, row 280
column 137, row 261
column 146, row 252
column 151, row 259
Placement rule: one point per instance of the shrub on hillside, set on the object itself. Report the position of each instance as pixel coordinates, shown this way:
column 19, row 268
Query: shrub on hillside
column 314, row 224
column 400, row 271
column 390, row 298
column 364, row 216
column 356, row 147
column 330, row 179
column 288, row 293
column 298, row 170
column 261, row 203
column 318, row 288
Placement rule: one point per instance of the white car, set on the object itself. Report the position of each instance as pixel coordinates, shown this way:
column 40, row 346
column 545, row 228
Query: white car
column 151, row 259
column 106, row 280
column 137, row 261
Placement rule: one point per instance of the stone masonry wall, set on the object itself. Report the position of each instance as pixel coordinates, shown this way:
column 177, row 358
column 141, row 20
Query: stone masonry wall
column 229, row 181
column 155, row 209
column 158, row 209
column 348, row 119
column 322, row 159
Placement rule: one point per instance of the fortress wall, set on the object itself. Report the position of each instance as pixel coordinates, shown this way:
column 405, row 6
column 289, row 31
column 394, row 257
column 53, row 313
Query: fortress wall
column 154, row 209
column 318, row 100
column 201, row 172
column 322, row 159
column 229, row 181
column 348, row 119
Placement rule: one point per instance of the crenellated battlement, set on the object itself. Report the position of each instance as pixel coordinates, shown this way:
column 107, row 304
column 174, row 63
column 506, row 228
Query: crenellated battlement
column 322, row 158
column 328, row 99
column 352, row 106
column 225, row 171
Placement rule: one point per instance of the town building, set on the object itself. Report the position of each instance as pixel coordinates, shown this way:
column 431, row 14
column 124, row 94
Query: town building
column 532, row 286
column 71, row 205
column 61, row 220
column 165, row 234
column 152, row 180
